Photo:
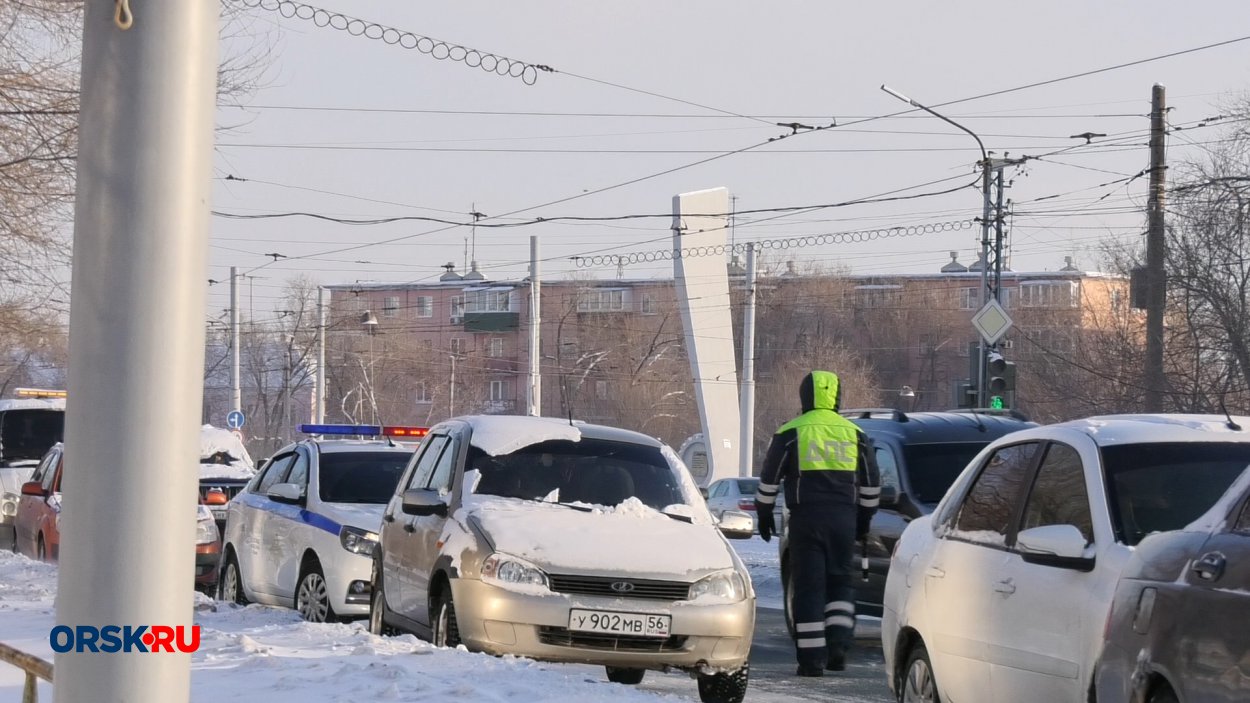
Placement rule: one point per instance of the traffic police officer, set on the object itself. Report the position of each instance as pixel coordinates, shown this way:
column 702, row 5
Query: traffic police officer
column 832, row 487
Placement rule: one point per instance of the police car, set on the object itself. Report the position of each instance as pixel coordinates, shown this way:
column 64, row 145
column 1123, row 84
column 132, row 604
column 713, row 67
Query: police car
column 301, row 533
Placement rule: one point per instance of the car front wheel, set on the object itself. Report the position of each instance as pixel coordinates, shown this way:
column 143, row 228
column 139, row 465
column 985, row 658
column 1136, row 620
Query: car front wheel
column 446, row 631
column 230, row 587
column 919, row 684
column 312, row 596
column 727, row 687
column 377, row 605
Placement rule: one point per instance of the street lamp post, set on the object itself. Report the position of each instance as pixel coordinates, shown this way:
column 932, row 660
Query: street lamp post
column 986, row 167
column 370, row 322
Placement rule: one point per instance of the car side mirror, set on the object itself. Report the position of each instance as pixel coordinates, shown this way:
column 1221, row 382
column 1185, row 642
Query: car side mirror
column 291, row 493
column 889, row 496
column 1054, row 545
column 703, row 492
column 423, row 501
column 736, row 525
column 33, row 488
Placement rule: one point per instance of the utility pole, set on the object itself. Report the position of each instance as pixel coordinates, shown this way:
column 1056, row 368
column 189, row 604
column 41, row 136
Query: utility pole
column 136, row 342
column 534, row 396
column 236, row 389
column 320, row 411
column 286, row 389
column 1156, row 253
column 746, row 442
column 451, row 389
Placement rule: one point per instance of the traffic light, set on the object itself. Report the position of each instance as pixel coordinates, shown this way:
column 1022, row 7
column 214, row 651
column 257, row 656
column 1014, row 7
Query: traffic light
column 1001, row 381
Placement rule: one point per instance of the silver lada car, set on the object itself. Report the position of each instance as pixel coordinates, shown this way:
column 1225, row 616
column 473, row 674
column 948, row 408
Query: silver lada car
column 565, row 542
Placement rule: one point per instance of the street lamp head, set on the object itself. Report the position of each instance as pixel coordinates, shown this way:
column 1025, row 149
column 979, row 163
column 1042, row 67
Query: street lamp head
column 898, row 95
column 906, row 392
column 369, row 320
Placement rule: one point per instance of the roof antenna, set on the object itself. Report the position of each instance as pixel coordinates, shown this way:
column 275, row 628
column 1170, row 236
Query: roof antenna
column 1230, row 424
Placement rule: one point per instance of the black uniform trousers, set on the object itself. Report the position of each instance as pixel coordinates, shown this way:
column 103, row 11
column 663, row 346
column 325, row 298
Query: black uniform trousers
column 822, row 555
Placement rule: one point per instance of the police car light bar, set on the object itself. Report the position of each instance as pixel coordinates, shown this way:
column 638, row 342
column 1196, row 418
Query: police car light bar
column 38, row 393
column 365, row 430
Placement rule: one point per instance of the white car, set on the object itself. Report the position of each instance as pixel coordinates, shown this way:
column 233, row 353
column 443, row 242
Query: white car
column 1003, row 592
column 302, row 533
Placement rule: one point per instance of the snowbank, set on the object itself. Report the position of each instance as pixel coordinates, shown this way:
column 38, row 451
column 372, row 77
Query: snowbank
column 267, row 654
column 32, row 404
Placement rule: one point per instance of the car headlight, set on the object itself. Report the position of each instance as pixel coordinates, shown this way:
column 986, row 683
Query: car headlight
column 8, row 506
column 358, row 541
column 727, row 585
column 509, row 571
column 205, row 527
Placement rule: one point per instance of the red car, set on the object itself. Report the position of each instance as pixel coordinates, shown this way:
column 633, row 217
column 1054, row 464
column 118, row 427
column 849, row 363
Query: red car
column 37, row 525
column 38, row 521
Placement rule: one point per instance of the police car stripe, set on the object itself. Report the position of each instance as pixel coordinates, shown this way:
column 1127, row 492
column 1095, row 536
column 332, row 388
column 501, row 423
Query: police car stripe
column 290, row 512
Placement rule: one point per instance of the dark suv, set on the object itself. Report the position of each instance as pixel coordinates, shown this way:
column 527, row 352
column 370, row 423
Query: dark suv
column 920, row 455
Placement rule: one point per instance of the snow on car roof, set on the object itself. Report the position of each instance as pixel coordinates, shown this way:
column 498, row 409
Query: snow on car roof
column 1109, row 430
column 217, row 443
column 331, row 446
column 32, row 404
column 502, row 434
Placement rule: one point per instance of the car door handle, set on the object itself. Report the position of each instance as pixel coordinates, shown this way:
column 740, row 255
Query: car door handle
column 409, row 528
column 1005, row 586
column 934, row 572
column 1210, row 567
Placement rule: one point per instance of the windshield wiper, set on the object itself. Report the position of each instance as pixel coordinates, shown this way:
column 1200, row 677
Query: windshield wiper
column 680, row 518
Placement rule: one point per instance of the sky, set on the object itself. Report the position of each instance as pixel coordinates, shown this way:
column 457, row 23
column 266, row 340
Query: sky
column 650, row 99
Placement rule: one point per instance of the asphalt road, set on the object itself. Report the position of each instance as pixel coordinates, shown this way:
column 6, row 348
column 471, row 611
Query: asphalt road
column 773, row 665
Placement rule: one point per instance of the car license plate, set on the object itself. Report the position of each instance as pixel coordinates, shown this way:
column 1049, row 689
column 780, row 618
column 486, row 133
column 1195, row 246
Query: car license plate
column 636, row 624
column 218, row 513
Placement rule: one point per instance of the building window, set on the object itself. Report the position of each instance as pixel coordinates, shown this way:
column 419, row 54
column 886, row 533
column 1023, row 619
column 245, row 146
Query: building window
column 1049, row 294
column 496, row 391
column 968, row 298
column 496, row 347
column 423, row 395
column 390, row 306
column 881, row 296
column 457, row 345
column 648, row 304
column 457, row 306
column 425, row 306
column 487, row 301
column 601, row 390
column 601, row 300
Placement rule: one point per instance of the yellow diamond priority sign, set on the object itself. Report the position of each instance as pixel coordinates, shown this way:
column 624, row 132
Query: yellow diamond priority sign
column 992, row 322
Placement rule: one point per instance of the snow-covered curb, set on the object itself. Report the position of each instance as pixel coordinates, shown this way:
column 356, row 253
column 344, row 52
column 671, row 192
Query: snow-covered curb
column 267, row 654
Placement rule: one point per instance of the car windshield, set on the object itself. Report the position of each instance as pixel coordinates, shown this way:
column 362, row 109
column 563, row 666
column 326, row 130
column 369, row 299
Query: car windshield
column 360, row 477
column 591, row 471
column 932, row 468
column 1161, row 486
column 28, row 434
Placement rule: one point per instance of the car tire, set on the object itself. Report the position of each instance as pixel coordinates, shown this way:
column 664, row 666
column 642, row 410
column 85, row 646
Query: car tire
column 312, row 596
column 726, row 687
column 41, row 549
column 631, row 677
column 378, row 610
column 446, row 632
column 1162, row 693
column 918, row 683
column 230, row 584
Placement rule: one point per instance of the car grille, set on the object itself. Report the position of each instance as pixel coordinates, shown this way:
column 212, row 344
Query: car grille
column 603, row 586
column 230, row 489
column 562, row 637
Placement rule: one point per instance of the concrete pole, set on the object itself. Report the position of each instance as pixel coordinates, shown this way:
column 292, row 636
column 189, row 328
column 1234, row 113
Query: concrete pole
column 746, row 442
column 986, row 206
column 534, row 396
column 1156, row 252
column 136, row 342
column 451, row 389
column 236, row 390
column 321, row 356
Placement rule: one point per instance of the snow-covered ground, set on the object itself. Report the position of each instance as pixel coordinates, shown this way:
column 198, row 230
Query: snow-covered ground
column 270, row 654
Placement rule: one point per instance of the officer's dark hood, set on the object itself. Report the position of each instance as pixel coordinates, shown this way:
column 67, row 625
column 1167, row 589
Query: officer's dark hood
column 821, row 390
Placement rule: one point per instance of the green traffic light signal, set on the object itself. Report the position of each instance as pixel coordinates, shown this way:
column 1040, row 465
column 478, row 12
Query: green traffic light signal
column 996, row 402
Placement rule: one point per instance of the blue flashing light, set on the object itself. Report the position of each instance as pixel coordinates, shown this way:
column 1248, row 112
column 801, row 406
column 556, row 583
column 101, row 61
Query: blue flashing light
column 359, row 430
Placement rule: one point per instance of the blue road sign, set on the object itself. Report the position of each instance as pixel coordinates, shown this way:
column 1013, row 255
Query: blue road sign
column 235, row 419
